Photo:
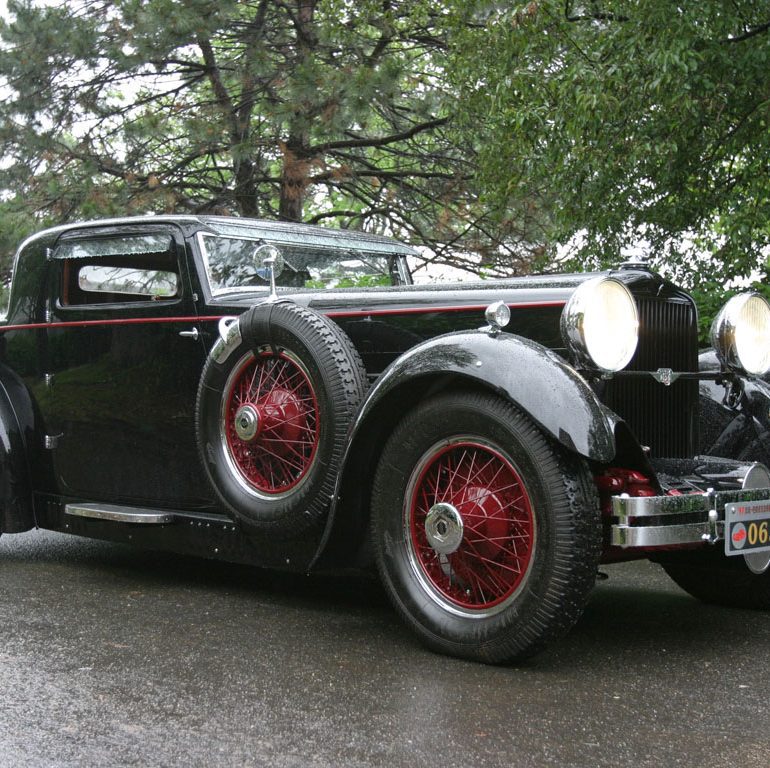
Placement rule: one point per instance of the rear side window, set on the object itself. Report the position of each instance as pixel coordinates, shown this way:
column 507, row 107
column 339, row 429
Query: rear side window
column 118, row 270
column 127, row 281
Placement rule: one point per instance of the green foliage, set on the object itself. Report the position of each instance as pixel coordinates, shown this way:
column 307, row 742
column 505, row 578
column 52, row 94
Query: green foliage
column 489, row 132
column 327, row 111
column 627, row 121
column 356, row 281
column 317, row 110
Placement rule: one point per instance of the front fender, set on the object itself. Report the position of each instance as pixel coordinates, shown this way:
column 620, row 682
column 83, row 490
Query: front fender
column 532, row 377
column 735, row 429
column 536, row 380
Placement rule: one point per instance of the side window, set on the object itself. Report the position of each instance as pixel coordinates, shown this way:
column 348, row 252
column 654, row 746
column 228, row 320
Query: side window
column 118, row 270
column 129, row 281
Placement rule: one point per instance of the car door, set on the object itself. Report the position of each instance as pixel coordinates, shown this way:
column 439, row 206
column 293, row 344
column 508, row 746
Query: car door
column 124, row 360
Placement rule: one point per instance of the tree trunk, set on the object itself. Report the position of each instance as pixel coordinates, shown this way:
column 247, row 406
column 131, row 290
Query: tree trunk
column 246, row 189
column 295, row 175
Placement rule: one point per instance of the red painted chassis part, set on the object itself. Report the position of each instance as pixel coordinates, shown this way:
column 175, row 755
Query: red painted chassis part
column 616, row 480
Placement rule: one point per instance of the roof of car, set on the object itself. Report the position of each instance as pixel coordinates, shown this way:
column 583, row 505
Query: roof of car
column 279, row 231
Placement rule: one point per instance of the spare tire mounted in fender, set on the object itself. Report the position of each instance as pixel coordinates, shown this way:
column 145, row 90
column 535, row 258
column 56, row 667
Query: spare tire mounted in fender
column 272, row 417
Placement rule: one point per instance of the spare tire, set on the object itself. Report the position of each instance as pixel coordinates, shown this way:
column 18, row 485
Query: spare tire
column 272, row 417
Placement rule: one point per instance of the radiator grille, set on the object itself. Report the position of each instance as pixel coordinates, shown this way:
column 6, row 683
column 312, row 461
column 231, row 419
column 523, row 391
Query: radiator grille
column 663, row 418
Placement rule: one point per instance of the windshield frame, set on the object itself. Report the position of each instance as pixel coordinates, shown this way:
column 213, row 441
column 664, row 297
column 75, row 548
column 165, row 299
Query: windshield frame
column 401, row 271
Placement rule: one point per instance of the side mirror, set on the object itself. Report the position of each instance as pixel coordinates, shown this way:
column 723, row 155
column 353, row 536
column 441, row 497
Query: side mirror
column 271, row 260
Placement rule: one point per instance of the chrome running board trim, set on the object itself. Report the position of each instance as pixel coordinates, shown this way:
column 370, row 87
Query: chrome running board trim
column 119, row 514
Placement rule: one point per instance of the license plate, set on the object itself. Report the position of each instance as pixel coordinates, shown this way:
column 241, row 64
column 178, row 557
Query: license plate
column 747, row 527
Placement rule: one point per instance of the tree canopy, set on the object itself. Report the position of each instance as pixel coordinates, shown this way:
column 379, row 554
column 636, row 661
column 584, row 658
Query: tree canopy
column 306, row 110
column 628, row 121
column 463, row 125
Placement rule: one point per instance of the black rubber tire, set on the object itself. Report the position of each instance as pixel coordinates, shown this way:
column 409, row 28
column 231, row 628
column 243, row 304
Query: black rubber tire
column 567, row 544
column 712, row 577
column 336, row 374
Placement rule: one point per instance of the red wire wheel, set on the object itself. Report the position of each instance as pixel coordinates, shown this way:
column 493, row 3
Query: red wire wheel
column 486, row 533
column 471, row 529
column 275, row 401
column 270, row 422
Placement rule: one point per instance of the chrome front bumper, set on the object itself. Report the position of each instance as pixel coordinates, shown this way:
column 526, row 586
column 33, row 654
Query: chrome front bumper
column 662, row 521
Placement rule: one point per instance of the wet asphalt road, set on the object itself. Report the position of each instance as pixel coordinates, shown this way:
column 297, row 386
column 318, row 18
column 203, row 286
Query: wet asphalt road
column 111, row 656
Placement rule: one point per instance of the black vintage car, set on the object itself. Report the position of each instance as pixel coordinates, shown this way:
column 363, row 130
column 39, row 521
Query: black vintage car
column 283, row 395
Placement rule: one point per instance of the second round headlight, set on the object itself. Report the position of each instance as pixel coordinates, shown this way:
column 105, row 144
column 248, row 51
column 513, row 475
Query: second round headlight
column 740, row 333
column 600, row 324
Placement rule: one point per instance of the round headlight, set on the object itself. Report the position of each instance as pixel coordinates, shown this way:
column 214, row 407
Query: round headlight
column 600, row 324
column 740, row 333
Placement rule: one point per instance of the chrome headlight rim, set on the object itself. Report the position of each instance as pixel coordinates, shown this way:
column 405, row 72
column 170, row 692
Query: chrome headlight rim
column 578, row 325
column 497, row 315
column 729, row 331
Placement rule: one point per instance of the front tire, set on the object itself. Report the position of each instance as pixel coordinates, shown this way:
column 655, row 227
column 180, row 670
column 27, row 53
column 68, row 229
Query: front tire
column 486, row 535
column 712, row 577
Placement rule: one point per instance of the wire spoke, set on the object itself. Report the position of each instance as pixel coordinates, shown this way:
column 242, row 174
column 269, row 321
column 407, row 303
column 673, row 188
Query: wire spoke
column 285, row 447
column 498, row 525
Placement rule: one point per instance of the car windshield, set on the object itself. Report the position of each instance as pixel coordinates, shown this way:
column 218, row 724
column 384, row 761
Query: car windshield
column 313, row 261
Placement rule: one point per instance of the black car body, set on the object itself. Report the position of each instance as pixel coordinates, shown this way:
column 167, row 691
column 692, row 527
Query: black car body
column 734, row 419
column 154, row 390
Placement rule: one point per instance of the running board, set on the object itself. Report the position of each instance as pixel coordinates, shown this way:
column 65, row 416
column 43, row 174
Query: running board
column 120, row 514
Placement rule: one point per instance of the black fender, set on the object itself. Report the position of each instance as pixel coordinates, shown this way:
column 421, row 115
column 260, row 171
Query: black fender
column 17, row 431
column 535, row 379
column 734, row 421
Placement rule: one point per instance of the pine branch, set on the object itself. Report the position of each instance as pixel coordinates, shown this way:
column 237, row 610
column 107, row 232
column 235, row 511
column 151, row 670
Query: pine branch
column 380, row 141
column 215, row 78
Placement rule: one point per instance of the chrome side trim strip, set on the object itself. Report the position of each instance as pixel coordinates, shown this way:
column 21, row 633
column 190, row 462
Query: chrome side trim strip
column 119, row 514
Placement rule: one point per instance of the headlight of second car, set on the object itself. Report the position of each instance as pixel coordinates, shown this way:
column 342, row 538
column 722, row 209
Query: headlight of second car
column 740, row 334
column 600, row 324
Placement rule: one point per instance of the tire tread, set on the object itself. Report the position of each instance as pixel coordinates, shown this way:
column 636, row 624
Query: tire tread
column 577, row 537
column 344, row 383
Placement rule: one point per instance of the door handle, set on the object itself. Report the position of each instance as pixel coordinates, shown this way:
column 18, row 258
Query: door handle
column 193, row 334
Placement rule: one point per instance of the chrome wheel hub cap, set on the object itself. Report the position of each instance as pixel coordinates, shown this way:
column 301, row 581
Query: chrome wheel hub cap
column 444, row 528
column 247, row 423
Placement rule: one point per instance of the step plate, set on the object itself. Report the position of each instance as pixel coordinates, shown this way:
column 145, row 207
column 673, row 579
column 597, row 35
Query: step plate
column 120, row 514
